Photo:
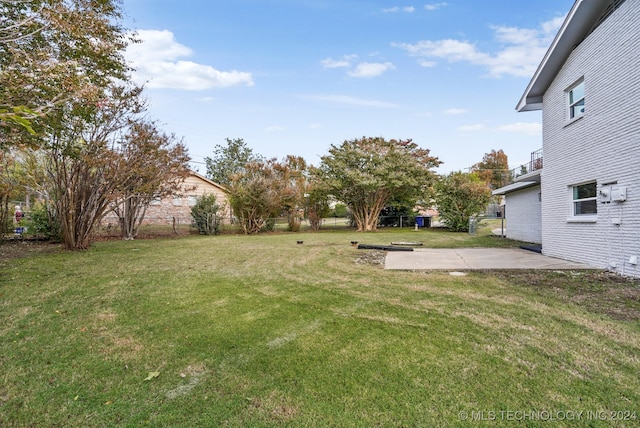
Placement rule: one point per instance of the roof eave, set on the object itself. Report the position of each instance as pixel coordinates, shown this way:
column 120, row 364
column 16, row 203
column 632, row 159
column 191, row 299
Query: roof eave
column 576, row 26
column 514, row 187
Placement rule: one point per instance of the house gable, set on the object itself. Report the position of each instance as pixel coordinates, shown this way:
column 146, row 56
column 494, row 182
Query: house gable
column 583, row 18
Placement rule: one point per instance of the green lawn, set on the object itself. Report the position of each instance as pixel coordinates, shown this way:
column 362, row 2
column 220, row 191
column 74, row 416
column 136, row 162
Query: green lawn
column 261, row 331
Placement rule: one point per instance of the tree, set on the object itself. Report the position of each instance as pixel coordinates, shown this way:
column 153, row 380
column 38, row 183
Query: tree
column 460, row 196
column 259, row 192
column 316, row 203
column 294, row 173
column 229, row 160
column 85, row 171
column 52, row 52
column 494, row 169
column 367, row 173
column 155, row 166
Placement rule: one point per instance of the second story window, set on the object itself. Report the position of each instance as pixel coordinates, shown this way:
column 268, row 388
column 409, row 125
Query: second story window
column 576, row 100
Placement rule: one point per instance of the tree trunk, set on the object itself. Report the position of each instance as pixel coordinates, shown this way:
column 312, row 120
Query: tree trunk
column 366, row 212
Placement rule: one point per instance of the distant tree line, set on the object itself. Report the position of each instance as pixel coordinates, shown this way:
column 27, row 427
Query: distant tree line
column 369, row 176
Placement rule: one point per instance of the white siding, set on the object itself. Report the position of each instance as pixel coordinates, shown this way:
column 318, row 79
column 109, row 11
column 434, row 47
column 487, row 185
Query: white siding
column 524, row 215
column 604, row 145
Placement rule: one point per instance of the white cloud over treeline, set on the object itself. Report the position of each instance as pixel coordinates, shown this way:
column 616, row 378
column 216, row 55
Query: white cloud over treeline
column 159, row 62
column 520, row 50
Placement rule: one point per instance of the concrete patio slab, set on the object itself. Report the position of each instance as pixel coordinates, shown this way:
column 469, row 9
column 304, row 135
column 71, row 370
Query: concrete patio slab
column 475, row 259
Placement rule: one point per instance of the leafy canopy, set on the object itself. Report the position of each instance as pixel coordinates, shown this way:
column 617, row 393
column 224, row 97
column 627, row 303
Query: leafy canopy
column 459, row 196
column 366, row 174
column 494, row 169
column 229, row 160
column 54, row 52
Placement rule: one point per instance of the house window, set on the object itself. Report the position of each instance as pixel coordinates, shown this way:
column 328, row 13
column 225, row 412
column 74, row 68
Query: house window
column 177, row 201
column 576, row 100
column 156, row 201
column 584, row 199
column 193, row 200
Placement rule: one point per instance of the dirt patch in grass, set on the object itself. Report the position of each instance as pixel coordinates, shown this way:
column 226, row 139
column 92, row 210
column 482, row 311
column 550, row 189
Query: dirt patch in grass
column 18, row 248
column 371, row 258
column 601, row 292
column 274, row 408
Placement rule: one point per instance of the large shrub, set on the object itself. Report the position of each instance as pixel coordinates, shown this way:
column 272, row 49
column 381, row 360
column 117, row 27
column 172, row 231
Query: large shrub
column 459, row 196
column 205, row 215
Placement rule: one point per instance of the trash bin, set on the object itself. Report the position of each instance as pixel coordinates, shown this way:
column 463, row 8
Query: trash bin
column 423, row 221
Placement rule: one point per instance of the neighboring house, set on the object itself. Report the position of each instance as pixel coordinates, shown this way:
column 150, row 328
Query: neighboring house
column 588, row 88
column 176, row 210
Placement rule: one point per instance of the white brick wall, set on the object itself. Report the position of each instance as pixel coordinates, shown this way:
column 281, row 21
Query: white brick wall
column 604, row 145
column 523, row 214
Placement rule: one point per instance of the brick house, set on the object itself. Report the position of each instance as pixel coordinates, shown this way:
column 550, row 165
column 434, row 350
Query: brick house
column 176, row 210
column 587, row 87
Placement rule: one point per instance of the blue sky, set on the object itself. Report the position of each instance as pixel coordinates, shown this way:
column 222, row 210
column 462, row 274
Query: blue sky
column 296, row 76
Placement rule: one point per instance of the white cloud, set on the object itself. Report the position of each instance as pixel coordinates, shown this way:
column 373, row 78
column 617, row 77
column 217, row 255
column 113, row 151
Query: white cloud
column 345, row 61
column 274, row 128
column 156, row 60
column 527, row 128
column 472, row 128
column 455, row 111
column 551, row 27
column 520, row 50
column 427, row 64
column 348, row 100
column 371, row 69
column 434, row 6
column 396, row 9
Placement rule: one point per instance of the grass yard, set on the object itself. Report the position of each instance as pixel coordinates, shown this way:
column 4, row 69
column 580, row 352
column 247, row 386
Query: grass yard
column 260, row 331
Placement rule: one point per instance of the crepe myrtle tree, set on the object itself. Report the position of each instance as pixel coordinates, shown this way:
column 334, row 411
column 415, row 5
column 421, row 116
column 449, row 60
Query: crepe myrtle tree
column 156, row 166
column 366, row 173
column 316, row 204
column 52, row 52
column 459, row 196
column 261, row 191
column 85, row 171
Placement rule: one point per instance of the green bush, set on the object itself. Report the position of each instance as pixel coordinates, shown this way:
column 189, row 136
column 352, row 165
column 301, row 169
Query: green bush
column 340, row 210
column 40, row 222
column 205, row 215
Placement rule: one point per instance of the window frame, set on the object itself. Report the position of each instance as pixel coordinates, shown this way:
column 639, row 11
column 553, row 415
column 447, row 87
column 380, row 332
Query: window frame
column 575, row 200
column 572, row 105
